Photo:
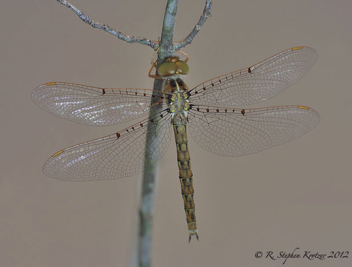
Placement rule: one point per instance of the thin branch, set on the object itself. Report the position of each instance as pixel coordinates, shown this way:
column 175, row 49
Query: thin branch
column 146, row 211
column 167, row 33
column 107, row 28
column 141, row 40
column 167, row 49
column 206, row 14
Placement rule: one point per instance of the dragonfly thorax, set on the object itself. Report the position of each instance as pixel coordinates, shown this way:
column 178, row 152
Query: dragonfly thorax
column 178, row 97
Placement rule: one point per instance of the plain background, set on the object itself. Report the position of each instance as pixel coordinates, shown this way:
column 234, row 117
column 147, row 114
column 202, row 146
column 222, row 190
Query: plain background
column 294, row 195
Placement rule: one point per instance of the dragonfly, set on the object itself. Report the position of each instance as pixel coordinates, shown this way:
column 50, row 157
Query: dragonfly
column 211, row 110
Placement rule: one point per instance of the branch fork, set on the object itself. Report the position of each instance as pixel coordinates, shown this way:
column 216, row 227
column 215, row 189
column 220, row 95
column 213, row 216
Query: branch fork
column 164, row 48
column 141, row 40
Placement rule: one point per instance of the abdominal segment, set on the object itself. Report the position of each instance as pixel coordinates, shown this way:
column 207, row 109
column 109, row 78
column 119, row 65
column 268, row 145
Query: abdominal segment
column 186, row 177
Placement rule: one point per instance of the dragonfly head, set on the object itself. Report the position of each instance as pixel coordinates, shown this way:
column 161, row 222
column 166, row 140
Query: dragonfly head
column 173, row 67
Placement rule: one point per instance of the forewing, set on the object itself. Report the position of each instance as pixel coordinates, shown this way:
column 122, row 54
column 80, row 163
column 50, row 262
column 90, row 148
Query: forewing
column 258, row 82
column 238, row 132
column 115, row 156
column 91, row 105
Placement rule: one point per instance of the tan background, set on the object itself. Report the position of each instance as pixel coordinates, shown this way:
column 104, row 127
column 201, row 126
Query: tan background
column 295, row 195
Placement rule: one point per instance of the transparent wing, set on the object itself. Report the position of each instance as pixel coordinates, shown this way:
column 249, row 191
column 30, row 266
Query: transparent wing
column 115, row 156
column 91, row 105
column 258, row 82
column 237, row 132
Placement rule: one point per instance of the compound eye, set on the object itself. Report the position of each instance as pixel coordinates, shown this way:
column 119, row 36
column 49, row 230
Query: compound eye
column 182, row 67
column 167, row 69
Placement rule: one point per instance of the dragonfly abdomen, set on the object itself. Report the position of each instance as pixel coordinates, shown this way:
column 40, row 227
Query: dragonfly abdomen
column 186, row 176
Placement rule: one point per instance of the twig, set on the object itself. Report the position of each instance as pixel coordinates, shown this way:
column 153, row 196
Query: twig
column 107, row 28
column 141, row 40
column 167, row 48
column 148, row 187
column 188, row 40
column 167, row 33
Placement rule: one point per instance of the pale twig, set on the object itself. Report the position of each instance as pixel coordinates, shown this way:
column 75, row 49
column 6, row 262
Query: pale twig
column 186, row 41
column 141, row 40
column 107, row 28
column 167, row 48
column 146, row 212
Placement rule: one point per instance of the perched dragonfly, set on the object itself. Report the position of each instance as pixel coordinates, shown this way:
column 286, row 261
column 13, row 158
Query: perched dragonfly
column 227, row 131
